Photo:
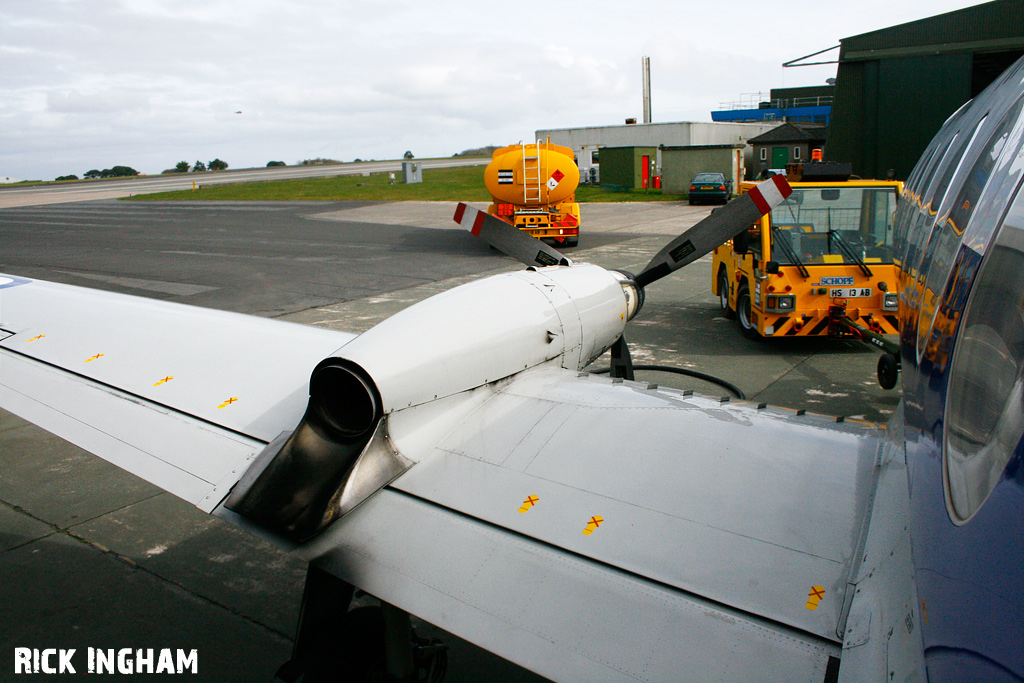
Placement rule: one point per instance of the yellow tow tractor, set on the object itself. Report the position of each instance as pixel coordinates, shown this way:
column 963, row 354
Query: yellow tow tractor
column 819, row 264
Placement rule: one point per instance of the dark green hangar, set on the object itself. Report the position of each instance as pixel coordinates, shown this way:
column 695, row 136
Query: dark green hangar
column 896, row 86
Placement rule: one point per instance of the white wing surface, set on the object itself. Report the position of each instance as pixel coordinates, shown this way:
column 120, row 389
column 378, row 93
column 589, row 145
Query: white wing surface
column 181, row 396
column 600, row 530
column 587, row 528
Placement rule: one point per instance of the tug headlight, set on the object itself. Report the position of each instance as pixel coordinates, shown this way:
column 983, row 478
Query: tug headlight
column 781, row 303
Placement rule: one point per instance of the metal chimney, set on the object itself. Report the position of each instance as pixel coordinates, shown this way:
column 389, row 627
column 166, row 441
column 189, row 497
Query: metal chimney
column 647, row 89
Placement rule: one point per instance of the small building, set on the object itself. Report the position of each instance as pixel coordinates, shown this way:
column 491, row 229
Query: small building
column 589, row 144
column 790, row 142
column 680, row 164
column 628, row 167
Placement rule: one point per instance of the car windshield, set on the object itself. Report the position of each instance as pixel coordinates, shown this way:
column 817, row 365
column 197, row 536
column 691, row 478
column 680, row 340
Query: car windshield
column 709, row 178
column 831, row 224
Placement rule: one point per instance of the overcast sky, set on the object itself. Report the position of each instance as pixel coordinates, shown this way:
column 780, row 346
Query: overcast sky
column 90, row 84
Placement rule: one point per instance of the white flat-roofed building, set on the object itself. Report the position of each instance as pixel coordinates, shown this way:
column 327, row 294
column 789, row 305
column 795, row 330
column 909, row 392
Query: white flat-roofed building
column 586, row 142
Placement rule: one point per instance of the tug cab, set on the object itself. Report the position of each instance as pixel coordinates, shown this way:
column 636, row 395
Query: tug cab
column 824, row 255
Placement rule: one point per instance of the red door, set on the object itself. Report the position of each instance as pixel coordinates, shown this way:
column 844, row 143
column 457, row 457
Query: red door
column 645, row 172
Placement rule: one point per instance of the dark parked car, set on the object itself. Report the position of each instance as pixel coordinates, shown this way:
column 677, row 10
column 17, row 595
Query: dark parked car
column 711, row 187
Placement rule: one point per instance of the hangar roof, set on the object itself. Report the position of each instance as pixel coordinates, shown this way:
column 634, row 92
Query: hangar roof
column 991, row 26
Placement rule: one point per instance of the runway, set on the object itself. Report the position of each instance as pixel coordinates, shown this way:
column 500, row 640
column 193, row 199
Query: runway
column 93, row 557
column 114, row 188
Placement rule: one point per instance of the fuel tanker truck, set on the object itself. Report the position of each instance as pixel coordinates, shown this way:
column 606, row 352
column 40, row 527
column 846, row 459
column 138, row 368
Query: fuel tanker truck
column 534, row 189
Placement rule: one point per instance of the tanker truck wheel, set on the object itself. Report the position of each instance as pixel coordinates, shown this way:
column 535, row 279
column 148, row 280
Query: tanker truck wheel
column 571, row 242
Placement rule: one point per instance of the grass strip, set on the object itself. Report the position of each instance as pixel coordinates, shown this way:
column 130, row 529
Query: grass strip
column 439, row 184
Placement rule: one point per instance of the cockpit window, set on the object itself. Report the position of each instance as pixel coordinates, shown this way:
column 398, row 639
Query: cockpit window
column 985, row 400
column 950, row 228
column 984, row 414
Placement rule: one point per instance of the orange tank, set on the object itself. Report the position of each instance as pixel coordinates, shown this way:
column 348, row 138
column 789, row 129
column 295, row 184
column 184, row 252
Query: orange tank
column 534, row 188
column 528, row 175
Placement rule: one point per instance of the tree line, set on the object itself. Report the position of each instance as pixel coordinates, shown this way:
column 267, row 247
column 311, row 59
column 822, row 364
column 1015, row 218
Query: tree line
column 115, row 172
column 198, row 167
column 127, row 171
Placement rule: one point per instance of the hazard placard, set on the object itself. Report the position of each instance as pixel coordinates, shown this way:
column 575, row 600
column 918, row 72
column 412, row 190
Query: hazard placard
column 555, row 178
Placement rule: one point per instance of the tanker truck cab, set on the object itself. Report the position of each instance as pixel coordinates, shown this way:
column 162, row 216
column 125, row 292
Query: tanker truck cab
column 824, row 255
column 534, row 188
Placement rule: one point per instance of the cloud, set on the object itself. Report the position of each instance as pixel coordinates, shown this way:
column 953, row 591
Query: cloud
column 148, row 82
column 102, row 102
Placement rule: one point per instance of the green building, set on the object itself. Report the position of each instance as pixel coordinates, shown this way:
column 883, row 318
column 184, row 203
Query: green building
column 896, row 86
column 628, row 167
column 681, row 163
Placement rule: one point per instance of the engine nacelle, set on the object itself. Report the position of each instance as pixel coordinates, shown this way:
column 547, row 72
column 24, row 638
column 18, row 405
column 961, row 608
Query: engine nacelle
column 490, row 329
column 339, row 454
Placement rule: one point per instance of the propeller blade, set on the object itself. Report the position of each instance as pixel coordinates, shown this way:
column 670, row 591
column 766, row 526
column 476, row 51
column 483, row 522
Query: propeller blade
column 724, row 223
column 508, row 238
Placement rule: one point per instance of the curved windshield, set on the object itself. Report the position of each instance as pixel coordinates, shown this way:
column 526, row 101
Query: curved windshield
column 984, row 422
column 834, row 225
column 709, row 178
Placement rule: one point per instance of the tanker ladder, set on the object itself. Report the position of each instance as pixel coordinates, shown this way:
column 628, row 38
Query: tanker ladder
column 531, row 174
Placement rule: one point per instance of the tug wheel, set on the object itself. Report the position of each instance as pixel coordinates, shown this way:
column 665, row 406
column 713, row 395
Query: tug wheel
column 723, row 295
column 743, row 315
column 888, row 370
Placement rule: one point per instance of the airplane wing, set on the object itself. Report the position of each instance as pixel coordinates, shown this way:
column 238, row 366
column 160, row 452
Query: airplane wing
column 183, row 397
column 586, row 528
column 593, row 529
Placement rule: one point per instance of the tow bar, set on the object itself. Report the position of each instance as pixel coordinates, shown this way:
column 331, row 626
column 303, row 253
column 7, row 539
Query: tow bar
column 839, row 324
